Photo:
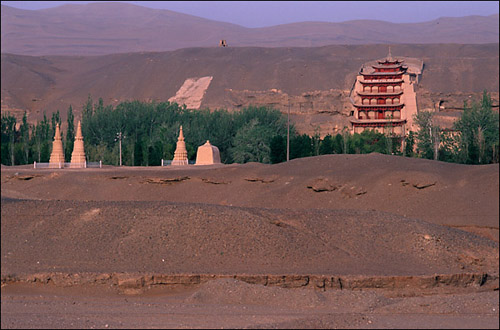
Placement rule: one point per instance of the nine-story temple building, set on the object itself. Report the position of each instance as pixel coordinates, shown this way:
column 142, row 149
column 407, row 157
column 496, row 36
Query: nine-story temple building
column 384, row 98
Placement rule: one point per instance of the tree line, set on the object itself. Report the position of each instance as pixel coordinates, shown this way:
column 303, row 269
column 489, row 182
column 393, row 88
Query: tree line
column 149, row 133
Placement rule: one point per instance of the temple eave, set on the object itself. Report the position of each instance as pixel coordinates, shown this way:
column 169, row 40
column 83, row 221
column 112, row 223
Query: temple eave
column 376, row 122
column 393, row 73
column 379, row 106
column 382, row 81
column 379, row 93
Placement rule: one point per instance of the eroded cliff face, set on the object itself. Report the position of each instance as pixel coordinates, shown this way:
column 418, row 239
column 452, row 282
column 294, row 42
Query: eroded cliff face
column 315, row 82
column 328, row 111
column 311, row 112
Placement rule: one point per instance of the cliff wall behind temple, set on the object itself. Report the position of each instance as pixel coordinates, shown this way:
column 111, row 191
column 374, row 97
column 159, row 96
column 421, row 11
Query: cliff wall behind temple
column 316, row 81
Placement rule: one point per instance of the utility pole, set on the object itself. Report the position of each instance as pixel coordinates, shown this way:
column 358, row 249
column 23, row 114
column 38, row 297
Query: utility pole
column 119, row 138
column 288, row 133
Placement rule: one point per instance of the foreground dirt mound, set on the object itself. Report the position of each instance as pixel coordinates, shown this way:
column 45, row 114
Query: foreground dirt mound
column 161, row 237
column 349, row 241
column 461, row 196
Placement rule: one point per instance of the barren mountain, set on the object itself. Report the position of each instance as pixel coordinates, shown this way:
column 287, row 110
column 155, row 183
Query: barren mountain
column 106, row 28
column 163, row 55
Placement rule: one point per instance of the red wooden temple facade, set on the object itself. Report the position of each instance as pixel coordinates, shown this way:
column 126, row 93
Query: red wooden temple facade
column 379, row 100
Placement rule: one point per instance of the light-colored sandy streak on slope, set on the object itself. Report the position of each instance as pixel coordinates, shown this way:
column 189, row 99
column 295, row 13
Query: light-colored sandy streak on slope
column 191, row 92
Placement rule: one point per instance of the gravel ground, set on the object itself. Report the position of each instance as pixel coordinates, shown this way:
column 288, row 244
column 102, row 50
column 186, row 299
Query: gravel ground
column 387, row 221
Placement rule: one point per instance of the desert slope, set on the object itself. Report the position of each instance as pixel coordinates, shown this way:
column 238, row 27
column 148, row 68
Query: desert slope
column 316, row 80
column 107, row 28
column 438, row 192
column 177, row 238
column 351, row 241
column 323, row 214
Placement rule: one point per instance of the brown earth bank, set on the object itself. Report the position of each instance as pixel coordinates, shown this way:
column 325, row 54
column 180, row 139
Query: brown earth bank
column 449, row 194
column 228, row 303
column 337, row 241
column 315, row 81
column 101, row 237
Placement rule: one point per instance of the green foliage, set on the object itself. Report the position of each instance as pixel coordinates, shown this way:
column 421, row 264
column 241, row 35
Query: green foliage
column 151, row 130
column 367, row 142
column 478, row 129
column 409, row 144
column 327, row 145
column 70, row 135
column 338, row 144
column 475, row 140
column 8, row 139
column 255, row 127
column 425, row 148
column 24, row 149
column 254, row 134
column 251, row 143
column 278, row 149
column 301, row 146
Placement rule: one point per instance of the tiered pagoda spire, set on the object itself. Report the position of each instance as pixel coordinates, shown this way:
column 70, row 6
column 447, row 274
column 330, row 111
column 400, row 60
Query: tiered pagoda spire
column 180, row 154
column 57, row 155
column 78, row 155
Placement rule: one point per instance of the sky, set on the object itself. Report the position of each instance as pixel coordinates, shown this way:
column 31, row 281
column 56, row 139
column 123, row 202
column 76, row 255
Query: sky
column 255, row 14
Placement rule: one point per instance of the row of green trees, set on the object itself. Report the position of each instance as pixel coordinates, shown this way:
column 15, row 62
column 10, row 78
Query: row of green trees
column 149, row 133
column 30, row 143
column 473, row 140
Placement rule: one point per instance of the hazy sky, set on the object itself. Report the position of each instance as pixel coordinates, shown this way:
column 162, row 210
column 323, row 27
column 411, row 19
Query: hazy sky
column 268, row 13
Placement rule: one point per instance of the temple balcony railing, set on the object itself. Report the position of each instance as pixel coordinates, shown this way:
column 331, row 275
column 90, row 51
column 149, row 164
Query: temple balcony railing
column 378, row 122
column 381, row 81
column 379, row 106
column 380, row 93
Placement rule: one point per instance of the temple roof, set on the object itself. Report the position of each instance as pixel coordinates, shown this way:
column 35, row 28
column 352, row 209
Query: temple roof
column 382, row 73
column 394, row 62
column 389, row 58
column 389, row 66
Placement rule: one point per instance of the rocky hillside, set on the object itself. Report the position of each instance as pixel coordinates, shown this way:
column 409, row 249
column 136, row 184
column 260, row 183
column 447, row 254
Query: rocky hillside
column 315, row 81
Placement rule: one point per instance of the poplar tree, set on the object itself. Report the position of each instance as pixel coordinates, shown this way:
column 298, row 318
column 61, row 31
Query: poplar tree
column 478, row 133
column 24, row 139
column 70, row 135
column 8, row 138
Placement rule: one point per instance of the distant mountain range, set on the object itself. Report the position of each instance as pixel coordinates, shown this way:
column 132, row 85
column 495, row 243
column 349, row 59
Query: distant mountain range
column 108, row 28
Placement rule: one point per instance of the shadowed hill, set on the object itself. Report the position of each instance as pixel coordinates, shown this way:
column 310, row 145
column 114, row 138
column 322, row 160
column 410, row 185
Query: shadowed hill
column 106, row 28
